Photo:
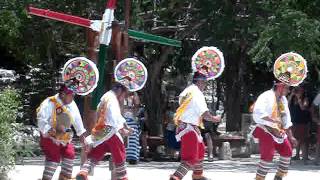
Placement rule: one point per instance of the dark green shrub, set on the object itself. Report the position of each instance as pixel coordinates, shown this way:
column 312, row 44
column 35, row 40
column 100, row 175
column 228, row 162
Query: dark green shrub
column 9, row 105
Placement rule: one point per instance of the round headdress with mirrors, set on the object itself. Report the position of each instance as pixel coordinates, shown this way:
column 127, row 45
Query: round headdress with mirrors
column 290, row 68
column 208, row 61
column 79, row 75
column 84, row 71
column 131, row 73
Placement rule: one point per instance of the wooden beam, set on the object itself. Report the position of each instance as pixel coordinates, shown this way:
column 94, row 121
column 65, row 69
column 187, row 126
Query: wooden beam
column 86, row 23
column 153, row 38
column 79, row 21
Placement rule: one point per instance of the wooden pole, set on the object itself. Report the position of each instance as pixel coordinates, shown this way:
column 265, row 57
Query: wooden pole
column 126, row 47
column 120, row 44
column 89, row 114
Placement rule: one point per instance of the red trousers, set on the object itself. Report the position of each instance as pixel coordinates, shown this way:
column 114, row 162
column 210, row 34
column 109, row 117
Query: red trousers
column 192, row 151
column 268, row 146
column 54, row 152
column 113, row 145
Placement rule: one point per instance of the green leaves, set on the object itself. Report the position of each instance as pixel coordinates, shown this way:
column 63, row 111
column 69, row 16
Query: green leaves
column 9, row 105
column 287, row 29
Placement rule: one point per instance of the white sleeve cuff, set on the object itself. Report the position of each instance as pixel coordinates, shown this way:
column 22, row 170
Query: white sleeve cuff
column 88, row 140
column 263, row 115
column 270, row 124
column 120, row 126
column 202, row 111
column 79, row 133
column 288, row 125
column 45, row 129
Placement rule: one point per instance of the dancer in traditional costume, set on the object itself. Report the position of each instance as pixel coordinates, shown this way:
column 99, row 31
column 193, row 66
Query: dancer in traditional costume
column 56, row 115
column 106, row 136
column 272, row 116
column 208, row 64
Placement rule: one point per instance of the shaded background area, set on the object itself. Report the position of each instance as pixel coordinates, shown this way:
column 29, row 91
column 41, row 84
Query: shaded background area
column 251, row 34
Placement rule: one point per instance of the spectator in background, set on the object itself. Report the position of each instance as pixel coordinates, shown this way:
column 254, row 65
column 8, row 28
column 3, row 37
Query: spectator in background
column 173, row 144
column 301, row 119
column 316, row 119
column 143, row 118
column 130, row 108
column 209, row 132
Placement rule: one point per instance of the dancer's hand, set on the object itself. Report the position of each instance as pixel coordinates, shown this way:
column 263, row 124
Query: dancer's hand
column 87, row 148
column 291, row 138
column 52, row 132
column 293, row 141
column 209, row 117
column 125, row 132
column 216, row 119
column 131, row 130
column 60, row 129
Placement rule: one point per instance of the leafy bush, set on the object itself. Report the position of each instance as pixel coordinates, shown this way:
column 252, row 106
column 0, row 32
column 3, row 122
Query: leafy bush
column 26, row 141
column 9, row 104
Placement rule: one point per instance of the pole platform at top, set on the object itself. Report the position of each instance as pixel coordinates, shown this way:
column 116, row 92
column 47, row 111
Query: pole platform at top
column 146, row 37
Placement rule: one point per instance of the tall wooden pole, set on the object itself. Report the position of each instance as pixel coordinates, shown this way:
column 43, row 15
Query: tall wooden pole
column 126, row 48
column 89, row 114
column 120, row 48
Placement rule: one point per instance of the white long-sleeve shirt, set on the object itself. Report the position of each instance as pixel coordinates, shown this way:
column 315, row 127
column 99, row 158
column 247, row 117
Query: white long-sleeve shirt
column 113, row 114
column 263, row 108
column 196, row 107
column 113, row 118
column 44, row 116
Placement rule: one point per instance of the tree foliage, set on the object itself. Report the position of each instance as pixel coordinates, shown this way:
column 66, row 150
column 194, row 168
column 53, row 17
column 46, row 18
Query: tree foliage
column 9, row 105
column 251, row 34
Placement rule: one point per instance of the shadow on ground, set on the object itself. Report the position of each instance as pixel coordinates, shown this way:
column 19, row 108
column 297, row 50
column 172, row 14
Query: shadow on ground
column 245, row 165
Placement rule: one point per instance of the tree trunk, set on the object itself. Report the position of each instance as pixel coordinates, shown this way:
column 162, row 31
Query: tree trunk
column 233, row 95
column 153, row 101
column 152, row 93
column 234, row 80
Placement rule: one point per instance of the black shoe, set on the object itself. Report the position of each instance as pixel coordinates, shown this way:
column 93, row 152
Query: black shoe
column 145, row 159
column 203, row 178
column 277, row 178
column 295, row 158
column 133, row 162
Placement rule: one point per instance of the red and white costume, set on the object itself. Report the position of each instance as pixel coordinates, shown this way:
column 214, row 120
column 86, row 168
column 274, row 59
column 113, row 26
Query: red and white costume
column 272, row 135
column 192, row 106
column 58, row 147
column 106, row 137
